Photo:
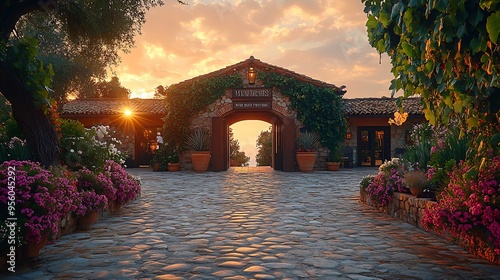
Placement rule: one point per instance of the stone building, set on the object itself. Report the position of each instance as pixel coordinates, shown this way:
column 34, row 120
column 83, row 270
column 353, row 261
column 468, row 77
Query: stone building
column 370, row 139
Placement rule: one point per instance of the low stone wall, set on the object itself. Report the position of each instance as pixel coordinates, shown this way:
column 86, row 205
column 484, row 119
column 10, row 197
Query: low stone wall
column 410, row 209
column 404, row 207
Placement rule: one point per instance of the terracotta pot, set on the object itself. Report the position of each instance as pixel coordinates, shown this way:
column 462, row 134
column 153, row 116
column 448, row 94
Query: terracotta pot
column 332, row 166
column 156, row 167
column 416, row 190
column 172, row 167
column 200, row 160
column 113, row 206
column 306, row 161
column 32, row 250
column 88, row 220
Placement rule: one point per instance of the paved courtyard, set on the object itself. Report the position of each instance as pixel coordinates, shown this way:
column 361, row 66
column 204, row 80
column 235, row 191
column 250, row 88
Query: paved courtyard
column 253, row 225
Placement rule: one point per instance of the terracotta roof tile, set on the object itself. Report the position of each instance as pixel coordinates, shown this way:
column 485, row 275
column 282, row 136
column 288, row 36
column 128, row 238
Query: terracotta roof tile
column 256, row 63
column 112, row 106
column 380, row 106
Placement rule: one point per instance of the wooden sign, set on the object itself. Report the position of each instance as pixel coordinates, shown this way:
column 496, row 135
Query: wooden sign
column 248, row 105
column 253, row 93
column 252, row 98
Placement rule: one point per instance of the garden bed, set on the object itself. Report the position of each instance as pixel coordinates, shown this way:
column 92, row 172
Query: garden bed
column 410, row 209
column 403, row 206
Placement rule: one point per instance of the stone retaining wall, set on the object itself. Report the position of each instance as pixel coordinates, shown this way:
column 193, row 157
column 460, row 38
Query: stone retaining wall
column 404, row 207
column 410, row 209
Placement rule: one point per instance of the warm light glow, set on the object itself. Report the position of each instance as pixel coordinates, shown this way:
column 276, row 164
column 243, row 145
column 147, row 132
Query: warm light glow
column 251, row 76
column 127, row 112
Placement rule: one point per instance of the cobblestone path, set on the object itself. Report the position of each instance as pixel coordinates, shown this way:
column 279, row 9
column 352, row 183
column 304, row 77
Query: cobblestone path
column 269, row 225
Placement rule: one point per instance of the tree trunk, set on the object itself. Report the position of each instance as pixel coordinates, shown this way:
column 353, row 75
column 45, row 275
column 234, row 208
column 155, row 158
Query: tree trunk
column 40, row 134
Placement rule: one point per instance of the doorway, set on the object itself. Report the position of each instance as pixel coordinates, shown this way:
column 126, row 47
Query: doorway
column 283, row 136
column 374, row 145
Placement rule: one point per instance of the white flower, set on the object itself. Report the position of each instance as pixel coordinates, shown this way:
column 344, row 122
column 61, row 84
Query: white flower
column 72, row 151
column 80, row 152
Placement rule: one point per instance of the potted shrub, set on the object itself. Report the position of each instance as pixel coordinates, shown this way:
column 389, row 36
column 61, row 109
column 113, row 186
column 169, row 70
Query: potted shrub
column 416, row 181
column 173, row 160
column 307, row 143
column 334, row 160
column 198, row 141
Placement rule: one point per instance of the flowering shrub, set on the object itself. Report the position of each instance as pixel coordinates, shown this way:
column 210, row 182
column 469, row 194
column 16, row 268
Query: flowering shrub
column 440, row 147
column 42, row 197
column 127, row 187
column 469, row 208
column 81, row 147
column 96, row 190
column 387, row 181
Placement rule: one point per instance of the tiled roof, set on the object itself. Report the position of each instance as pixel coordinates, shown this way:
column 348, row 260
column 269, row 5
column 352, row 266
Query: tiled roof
column 112, row 106
column 256, row 63
column 380, row 106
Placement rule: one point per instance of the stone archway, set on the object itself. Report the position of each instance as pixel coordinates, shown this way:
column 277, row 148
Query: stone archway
column 264, row 104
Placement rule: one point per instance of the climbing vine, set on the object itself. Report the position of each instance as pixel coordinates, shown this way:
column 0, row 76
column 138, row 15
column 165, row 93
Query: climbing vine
column 318, row 108
column 22, row 55
column 446, row 51
column 183, row 101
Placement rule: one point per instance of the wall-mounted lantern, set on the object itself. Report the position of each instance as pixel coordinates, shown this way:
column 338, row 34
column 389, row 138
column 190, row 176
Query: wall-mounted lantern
column 251, row 76
column 348, row 135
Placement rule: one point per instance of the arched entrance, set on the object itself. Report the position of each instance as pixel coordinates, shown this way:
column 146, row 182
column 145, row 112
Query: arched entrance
column 283, row 131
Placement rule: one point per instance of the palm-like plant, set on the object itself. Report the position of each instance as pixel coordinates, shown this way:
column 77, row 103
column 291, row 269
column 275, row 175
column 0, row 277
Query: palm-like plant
column 307, row 142
column 198, row 140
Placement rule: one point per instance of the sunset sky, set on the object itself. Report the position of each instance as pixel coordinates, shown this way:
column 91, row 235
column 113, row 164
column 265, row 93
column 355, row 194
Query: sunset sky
column 323, row 39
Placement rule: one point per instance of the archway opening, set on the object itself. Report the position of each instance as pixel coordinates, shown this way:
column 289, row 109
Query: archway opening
column 246, row 133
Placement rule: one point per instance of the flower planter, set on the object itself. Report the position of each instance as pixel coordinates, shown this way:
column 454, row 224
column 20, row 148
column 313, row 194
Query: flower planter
column 88, row 220
column 32, row 250
column 416, row 190
column 306, row 161
column 332, row 166
column 173, row 167
column 156, row 167
column 200, row 160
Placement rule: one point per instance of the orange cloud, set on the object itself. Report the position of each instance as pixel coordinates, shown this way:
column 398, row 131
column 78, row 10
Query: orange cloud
column 325, row 40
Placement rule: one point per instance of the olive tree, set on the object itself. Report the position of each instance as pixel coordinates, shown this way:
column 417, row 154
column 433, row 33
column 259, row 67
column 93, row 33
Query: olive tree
column 99, row 27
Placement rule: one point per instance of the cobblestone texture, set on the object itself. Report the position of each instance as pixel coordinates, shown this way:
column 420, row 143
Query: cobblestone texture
column 243, row 225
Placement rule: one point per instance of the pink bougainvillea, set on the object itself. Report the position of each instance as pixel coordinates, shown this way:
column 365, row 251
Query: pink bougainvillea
column 127, row 187
column 469, row 208
column 389, row 180
column 42, row 198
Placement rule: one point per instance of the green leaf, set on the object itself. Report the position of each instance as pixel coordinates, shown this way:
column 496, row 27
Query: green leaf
column 471, row 174
column 372, row 22
column 407, row 49
column 385, row 17
column 415, row 3
column 430, row 116
column 441, row 5
column 458, row 106
column 495, row 140
column 493, row 26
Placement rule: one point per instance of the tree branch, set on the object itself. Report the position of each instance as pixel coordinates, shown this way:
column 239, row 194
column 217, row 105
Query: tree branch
column 11, row 13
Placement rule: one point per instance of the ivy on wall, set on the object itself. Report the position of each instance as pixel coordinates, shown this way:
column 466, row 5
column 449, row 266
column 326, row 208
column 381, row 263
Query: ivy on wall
column 184, row 101
column 319, row 109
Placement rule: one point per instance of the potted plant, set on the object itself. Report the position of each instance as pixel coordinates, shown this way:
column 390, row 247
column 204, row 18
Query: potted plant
column 198, row 141
column 416, row 181
column 334, row 160
column 173, row 160
column 307, row 143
